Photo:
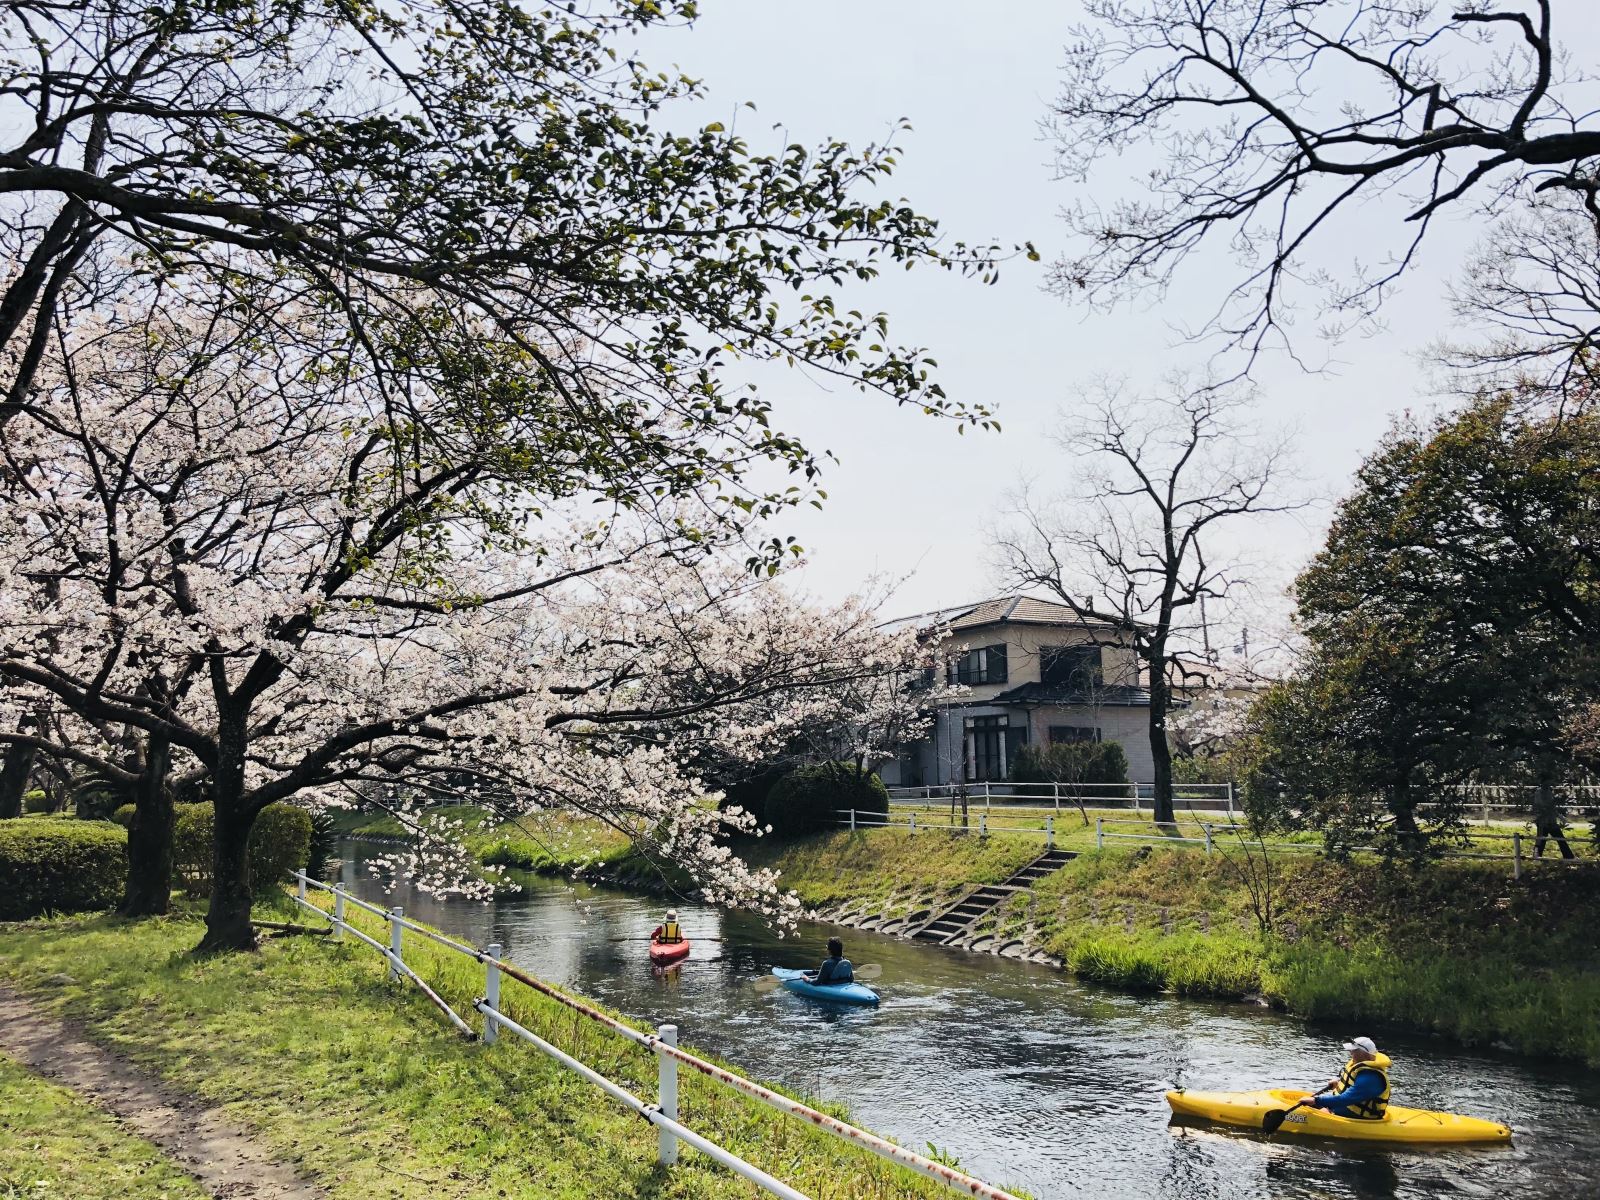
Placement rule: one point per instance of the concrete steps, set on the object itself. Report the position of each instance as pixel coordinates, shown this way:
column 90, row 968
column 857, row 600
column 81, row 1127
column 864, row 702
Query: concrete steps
column 958, row 920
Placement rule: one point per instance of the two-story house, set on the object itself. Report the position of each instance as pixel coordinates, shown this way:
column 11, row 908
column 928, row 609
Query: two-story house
column 1032, row 672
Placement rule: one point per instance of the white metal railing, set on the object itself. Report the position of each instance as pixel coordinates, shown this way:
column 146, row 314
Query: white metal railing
column 1210, row 831
column 663, row 1044
column 1221, row 797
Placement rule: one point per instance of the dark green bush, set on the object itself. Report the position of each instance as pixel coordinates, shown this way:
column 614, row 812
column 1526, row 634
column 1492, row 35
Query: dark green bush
column 37, row 801
column 809, row 799
column 58, row 865
column 279, row 843
column 1071, row 762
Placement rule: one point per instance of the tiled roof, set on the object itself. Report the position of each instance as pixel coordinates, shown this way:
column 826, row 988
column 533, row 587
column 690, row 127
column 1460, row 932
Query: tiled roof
column 1109, row 696
column 1022, row 610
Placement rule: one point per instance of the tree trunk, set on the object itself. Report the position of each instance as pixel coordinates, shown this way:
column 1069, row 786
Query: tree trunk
column 149, row 885
column 1160, row 751
column 14, row 775
column 228, row 914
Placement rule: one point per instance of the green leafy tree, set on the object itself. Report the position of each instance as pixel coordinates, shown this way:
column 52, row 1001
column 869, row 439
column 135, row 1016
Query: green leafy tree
column 1450, row 619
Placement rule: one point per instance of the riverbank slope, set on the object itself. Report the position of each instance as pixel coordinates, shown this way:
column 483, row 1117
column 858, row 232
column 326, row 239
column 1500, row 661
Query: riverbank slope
column 1456, row 949
column 363, row 1086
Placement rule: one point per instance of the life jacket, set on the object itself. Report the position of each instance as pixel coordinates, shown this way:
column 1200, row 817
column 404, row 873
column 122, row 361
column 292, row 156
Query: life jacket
column 671, row 935
column 1366, row 1110
column 836, row 970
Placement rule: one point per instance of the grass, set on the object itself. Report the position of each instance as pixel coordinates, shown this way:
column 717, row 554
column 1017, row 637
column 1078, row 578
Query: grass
column 364, row 1085
column 891, row 871
column 1455, row 949
column 54, row 1145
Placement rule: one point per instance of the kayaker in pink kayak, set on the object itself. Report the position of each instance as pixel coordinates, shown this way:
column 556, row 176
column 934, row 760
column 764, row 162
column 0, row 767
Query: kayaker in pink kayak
column 668, row 933
column 1361, row 1089
column 835, row 968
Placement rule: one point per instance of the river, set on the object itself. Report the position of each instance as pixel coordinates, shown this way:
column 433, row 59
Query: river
column 1029, row 1077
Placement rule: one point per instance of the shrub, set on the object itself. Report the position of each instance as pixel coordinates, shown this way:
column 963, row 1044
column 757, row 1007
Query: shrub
column 808, row 799
column 59, row 866
column 124, row 816
column 1071, row 762
column 37, row 801
column 279, row 842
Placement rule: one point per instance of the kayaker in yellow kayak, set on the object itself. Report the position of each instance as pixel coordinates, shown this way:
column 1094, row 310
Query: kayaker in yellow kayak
column 1361, row 1089
column 835, row 968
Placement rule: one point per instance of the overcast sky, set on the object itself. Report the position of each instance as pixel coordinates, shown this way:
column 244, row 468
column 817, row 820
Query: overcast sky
column 909, row 497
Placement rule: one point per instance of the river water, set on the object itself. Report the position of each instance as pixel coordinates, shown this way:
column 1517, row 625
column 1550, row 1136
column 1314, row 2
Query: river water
column 1030, row 1078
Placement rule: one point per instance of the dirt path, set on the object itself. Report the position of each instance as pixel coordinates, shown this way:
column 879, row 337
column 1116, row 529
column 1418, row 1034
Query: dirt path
column 229, row 1162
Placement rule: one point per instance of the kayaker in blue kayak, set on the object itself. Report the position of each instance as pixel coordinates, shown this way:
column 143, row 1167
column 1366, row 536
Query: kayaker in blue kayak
column 835, row 968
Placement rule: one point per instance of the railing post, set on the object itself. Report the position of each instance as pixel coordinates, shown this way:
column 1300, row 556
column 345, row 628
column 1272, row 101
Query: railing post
column 1516, row 854
column 983, row 823
column 1230, row 799
column 491, row 992
column 985, row 795
column 396, row 930
column 338, row 911
column 300, row 884
column 1056, row 789
column 1099, row 833
column 667, row 1094
column 852, row 820
column 1050, row 832
column 911, row 821
column 1206, row 829
column 1486, row 807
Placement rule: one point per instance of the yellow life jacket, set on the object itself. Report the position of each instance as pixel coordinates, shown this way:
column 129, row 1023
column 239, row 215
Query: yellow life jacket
column 1367, row 1110
column 671, row 935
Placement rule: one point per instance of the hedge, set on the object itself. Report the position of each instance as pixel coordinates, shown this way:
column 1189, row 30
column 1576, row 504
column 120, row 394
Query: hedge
column 280, row 842
column 809, row 799
column 59, row 865
column 1071, row 762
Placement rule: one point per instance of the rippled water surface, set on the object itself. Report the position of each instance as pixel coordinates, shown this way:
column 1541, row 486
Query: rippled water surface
column 1032, row 1079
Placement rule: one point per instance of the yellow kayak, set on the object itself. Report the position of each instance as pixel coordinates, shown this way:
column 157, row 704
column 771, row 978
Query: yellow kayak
column 1248, row 1109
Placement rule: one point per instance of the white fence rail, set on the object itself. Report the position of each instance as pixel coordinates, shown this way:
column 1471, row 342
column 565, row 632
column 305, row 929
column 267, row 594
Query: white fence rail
column 1233, row 833
column 1210, row 832
column 1489, row 801
column 1219, row 797
column 663, row 1044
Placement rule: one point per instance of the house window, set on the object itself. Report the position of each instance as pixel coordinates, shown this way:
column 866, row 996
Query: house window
column 992, row 745
column 1071, row 666
column 987, row 664
column 1060, row 734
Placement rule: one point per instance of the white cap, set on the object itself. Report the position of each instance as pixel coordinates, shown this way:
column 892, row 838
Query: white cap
column 1361, row 1043
column 672, row 915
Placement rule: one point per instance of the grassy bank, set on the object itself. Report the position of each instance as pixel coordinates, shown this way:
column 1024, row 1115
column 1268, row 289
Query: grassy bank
column 365, row 1086
column 891, row 871
column 1455, row 949
column 54, row 1145
column 543, row 843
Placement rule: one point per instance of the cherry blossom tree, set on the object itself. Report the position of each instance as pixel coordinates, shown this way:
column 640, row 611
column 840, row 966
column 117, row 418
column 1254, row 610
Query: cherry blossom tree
column 221, row 533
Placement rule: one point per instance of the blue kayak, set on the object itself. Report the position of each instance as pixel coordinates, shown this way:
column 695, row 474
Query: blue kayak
column 834, row 993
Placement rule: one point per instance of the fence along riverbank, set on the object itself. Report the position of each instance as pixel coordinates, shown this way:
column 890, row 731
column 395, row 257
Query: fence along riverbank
column 663, row 1114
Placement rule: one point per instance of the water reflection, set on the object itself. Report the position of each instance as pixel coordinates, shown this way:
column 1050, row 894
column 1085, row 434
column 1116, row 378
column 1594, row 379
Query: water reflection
column 1029, row 1078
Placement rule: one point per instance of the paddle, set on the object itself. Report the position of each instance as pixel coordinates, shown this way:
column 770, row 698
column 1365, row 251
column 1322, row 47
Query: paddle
column 863, row 973
column 1274, row 1118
